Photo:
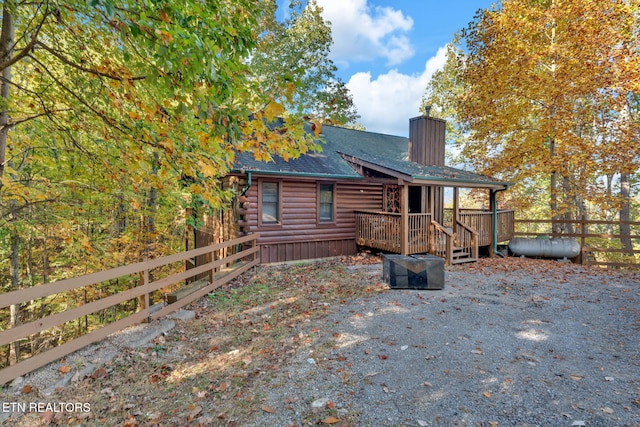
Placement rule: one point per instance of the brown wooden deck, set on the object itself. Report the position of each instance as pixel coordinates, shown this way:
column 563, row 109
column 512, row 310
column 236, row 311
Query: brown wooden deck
column 381, row 230
column 459, row 243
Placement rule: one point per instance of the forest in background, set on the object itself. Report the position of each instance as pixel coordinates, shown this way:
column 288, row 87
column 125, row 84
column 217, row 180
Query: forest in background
column 118, row 117
column 546, row 94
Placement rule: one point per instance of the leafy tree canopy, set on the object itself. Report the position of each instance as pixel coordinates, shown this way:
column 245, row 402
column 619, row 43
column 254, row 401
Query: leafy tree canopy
column 115, row 81
column 548, row 89
column 115, row 115
column 294, row 53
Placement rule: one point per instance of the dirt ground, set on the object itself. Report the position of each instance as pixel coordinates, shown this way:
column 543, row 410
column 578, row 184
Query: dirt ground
column 507, row 342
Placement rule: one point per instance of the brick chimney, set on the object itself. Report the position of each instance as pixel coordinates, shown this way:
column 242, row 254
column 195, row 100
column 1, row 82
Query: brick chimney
column 426, row 140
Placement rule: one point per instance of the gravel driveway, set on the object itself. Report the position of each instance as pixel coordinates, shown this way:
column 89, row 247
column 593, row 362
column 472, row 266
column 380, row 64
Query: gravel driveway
column 510, row 343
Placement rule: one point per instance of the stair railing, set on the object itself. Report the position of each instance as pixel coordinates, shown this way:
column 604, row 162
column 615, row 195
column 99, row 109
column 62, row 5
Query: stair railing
column 467, row 239
column 441, row 242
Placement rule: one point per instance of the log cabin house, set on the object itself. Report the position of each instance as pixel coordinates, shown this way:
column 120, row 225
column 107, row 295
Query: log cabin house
column 364, row 190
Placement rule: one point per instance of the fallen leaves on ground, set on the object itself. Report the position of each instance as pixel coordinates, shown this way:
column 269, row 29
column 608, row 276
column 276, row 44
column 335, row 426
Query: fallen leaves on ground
column 269, row 409
column 210, row 369
column 214, row 370
column 99, row 373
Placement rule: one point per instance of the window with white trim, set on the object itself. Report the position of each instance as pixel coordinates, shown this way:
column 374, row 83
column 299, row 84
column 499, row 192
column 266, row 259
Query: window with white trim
column 270, row 203
column 326, row 202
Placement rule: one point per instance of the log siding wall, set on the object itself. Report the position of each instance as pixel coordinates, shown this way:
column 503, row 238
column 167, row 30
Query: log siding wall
column 299, row 235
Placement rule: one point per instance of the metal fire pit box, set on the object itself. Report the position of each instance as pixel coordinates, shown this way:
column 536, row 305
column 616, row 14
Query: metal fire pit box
column 413, row 272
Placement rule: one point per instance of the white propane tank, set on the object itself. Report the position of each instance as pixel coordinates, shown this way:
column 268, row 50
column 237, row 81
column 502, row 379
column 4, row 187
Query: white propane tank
column 555, row 247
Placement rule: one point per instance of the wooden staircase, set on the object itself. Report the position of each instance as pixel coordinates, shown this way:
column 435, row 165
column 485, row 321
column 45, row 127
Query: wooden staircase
column 462, row 254
column 455, row 246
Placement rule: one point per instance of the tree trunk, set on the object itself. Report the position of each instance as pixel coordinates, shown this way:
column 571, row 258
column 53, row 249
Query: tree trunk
column 567, row 227
column 609, row 227
column 121, row 216
column 553, row 192
column 152, row 202
column 45, row 258
column 149, row 235
column 14, row 266
column 6, row 53
column 625, row 214
column 30, row 268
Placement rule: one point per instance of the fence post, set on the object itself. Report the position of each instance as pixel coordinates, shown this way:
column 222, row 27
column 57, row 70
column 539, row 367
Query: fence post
column 583, row 231
column 143, row 300
column 254, row 243
column 146, row 299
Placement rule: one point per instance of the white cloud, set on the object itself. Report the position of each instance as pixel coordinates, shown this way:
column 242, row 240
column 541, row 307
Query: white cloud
column 364, row 33
column 386, row 103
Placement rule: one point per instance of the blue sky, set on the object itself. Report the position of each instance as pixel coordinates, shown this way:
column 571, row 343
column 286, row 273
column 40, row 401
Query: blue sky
column 387, row 50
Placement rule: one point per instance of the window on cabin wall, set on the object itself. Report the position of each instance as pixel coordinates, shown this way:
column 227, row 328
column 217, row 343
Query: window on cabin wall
column 326, row 203
column 270, row 213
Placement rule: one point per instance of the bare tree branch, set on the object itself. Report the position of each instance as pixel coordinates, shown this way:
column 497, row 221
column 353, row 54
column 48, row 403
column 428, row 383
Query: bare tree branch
column 5, row 213
column 17, row 122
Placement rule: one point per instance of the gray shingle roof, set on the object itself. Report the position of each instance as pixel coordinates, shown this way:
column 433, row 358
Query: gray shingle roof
column 385, row 151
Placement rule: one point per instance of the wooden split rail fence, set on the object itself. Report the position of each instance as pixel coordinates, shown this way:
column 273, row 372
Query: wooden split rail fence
column 220, row 272
column 593, row 237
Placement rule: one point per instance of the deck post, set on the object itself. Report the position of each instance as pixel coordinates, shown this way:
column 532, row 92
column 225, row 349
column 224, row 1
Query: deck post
column 404, row 220
column 432, row 202
column 456, row 212
column 494, row 222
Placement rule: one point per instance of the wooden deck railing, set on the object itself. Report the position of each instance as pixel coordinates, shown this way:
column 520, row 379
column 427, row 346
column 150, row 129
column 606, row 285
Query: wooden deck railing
column 383, row 230
column 481, row 221
column 222, row 271
column 506, row 225
column 379, row 230
column 419, row 225
column 441, row 243
column 465, row 242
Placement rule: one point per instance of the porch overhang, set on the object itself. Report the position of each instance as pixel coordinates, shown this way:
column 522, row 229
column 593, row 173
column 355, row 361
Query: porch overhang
column 462, row 183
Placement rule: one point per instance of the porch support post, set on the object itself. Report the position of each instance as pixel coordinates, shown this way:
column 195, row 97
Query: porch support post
column 404, row 221
column 432, row 203
column 424, row 204
column 456, row 210
column 494, row 222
